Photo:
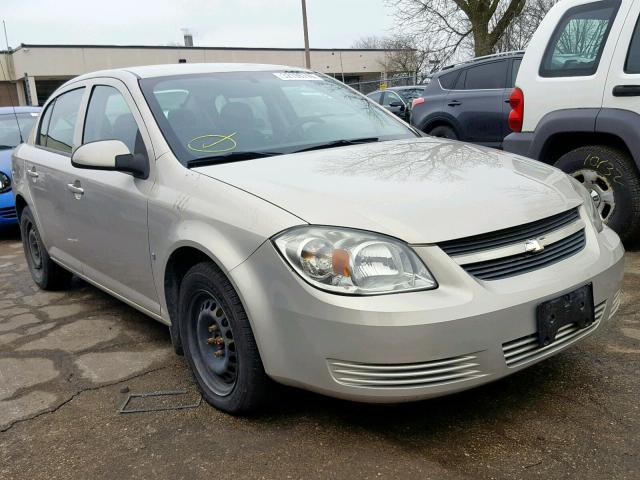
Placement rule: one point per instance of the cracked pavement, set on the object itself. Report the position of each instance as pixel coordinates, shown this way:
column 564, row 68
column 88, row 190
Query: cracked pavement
column 68, row 359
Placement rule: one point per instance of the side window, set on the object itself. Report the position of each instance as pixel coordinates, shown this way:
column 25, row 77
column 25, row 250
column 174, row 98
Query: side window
column 44, row 125
column 632, row 64
column 460, row 82
column 390, row 97
column 515, row 67
column 109, row 118
column 375, row 96
column 488, row 76
column 61, row 122
column 448, row 80
column 577, row 43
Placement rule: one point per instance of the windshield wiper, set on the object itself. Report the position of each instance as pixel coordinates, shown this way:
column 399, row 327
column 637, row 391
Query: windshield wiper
column 339, row 143
column 6, row 147
column 230, row 157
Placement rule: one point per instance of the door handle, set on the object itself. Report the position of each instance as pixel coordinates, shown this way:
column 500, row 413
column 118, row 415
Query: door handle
column 32, row 172
column 626, row 91
column 75, row 189
column 454, row 103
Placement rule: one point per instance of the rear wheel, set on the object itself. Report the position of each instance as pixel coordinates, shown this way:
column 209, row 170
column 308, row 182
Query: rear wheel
column 47, row 274
column 443, row 131
column 612, row 179
column 218, row 341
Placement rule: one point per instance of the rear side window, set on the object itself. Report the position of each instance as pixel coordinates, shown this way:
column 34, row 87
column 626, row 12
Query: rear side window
column 488, row 76
column 448, row 80
column 59, row 122
column 632, row 64
column 109, row 118
column 577, row 43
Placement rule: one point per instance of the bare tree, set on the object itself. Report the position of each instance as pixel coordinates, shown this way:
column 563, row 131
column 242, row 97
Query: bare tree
column 452, row 25
column 520, row 31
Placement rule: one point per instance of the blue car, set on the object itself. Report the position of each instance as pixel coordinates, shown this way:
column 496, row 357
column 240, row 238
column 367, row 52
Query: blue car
column 10, row 138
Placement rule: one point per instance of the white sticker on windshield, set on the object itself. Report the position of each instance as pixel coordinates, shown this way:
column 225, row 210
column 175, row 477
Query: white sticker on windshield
column 297, row 76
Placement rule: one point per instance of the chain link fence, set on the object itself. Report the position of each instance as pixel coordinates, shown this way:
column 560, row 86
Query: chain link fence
column 400, row 81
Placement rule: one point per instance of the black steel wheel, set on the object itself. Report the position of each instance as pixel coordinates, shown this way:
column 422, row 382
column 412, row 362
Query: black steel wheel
column 47, row 274
column 218, row 341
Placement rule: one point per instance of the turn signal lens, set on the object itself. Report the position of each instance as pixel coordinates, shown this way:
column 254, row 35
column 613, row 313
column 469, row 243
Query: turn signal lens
column 516, row 116
column 417, row 101
column 354, row 262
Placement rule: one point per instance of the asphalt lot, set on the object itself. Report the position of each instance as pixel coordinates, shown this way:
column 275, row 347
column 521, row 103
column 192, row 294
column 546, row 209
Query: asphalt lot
column 67, row 360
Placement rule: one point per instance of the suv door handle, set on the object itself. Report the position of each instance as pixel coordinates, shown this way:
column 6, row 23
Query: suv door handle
column 454, row 103
column 626, row 91
column 75, row 189
column 32, row 172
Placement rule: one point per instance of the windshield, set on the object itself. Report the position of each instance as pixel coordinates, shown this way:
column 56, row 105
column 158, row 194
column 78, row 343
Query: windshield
column 9, row 135
column 220, row 115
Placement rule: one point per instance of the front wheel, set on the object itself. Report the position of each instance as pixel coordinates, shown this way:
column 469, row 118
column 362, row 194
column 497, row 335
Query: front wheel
column 218, row 342
column 612, row 180
column 47, row 274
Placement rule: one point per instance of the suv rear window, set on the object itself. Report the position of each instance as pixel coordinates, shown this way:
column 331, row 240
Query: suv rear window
column 576, row 45
column 633, row 57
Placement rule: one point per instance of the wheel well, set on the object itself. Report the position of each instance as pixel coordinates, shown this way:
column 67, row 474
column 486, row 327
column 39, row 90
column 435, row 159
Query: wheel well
column 179, row 263
column 20, row 205
column 561, row 143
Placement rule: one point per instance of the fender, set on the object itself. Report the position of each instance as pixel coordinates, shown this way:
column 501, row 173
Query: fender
column 441, row 117
column 623, row 124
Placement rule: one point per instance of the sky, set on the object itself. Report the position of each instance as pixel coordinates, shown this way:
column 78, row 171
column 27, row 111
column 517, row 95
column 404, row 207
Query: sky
column 216, row 23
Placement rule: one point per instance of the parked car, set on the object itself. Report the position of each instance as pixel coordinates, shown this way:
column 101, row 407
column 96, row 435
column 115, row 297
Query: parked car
column 577, row 103
column 323, row 244
column 397, row 99
column 469, row 101
column 15, row 124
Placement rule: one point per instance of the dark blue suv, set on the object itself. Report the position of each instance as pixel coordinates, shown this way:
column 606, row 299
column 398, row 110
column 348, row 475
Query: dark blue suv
column 469, row 101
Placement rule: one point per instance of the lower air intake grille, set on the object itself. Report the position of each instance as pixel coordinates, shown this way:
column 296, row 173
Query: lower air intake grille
column 526, row 349
column 8, row 213
column 406, row 375
column 525, row 262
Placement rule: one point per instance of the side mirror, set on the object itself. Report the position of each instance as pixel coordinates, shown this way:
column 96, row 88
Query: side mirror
column 397, row 104
column 110, row 155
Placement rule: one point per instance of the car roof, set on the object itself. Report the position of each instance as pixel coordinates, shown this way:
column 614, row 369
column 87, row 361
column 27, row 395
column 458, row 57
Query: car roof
column 478, row 61
column 149, row 71
column 11, row 110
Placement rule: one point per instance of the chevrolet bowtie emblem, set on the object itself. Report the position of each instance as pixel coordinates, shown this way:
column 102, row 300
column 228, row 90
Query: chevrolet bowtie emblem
column 533, row 246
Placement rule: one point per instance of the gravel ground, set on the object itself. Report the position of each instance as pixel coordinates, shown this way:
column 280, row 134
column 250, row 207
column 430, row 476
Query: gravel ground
column 69, row 359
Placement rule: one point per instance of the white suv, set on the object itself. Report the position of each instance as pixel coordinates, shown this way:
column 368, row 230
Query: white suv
column 577, row 103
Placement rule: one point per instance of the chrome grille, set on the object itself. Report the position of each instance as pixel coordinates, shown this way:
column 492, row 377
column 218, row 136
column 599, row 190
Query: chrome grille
column 8, row 213
column 511, row 235
column 526, row 349
column 525, row 262
column 406, row 375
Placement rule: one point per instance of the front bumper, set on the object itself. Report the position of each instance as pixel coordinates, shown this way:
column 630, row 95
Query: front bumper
column 8, row 214
column 412, row 346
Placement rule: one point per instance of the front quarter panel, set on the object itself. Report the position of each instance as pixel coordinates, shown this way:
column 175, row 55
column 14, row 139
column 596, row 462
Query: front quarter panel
column 189, row 209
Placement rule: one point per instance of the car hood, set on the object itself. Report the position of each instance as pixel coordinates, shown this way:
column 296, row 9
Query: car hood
column 422, row 191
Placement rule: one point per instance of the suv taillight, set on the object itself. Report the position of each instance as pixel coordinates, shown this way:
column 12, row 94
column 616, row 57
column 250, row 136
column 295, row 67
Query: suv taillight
column 417, row 101
column 516, row 116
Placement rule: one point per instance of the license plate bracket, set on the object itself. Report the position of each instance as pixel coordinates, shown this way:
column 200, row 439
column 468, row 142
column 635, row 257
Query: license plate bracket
column 573, row 307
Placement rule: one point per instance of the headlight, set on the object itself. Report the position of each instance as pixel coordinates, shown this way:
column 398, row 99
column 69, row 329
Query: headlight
column 5, row 183
column 589, row 206
column 353, row 262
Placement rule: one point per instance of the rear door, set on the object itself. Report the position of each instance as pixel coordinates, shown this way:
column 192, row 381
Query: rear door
column 622, row 90
column 477, row 102
column 48, row 168
column 112, row 209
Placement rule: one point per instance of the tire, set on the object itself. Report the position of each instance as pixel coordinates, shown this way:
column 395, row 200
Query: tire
column 47, row 274
column 211, row 320
column 443, row 131
column 612, row 174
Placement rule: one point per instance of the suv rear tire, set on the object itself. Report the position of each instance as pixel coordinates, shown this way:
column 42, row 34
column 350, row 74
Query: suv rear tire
column 47, row 274
column 218, row 342
column 443, row 131
column 612, row 175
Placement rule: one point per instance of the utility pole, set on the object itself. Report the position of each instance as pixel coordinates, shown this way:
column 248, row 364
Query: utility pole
column 307, row 56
